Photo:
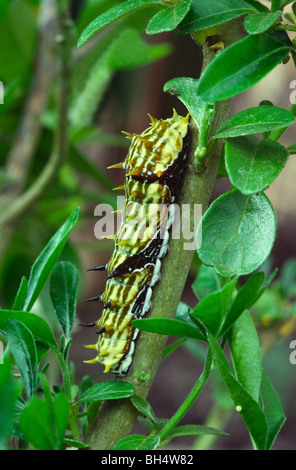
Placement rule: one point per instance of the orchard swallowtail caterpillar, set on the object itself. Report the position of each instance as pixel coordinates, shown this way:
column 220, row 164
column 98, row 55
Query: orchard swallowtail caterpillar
column 154, row 166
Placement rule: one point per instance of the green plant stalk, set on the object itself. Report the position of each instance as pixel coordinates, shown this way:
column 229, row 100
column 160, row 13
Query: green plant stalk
column 85, row 105
column 202, row 148
column 60, row 149
column 67, row 387
column 180, row 413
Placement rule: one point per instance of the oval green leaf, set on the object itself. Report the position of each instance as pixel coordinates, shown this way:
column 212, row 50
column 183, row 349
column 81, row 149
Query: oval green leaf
column 203, row 15
column 255, row 120
column 246, row 354
column 23, row 349
column 260, row 22
column 238, row 233
column 240, row 66
column 63, row 290
column 37, row 325
column 168, row 18
column 253, row 164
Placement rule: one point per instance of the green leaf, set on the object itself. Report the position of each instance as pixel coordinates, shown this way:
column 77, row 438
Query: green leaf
column 238, row 233
column 212, row 309
column 168, row 326
column 37, row 325
column 168, row 18
column 75, row 443
column 193, row 430
column 21, row 295
column 114, row 14
column 246, row 354
column 186, row 89
column 244, row 299
column 203, row 15
column 22, row 346
column 240, row 66
column 144, row 407
column 172, row 347
column 43, row 265
column 63, row 290
column 260, row 22
column 61, row 415
column 207, row 281
column 253, row 164
column 107, row 391
column 44, row 424
column 36, row 423
column 248, row 408
column 273, row 410
column 255, row 120
column 8, row 394
column 138, row 442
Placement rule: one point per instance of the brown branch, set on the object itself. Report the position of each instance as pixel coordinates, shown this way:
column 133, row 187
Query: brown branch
column 60, row 150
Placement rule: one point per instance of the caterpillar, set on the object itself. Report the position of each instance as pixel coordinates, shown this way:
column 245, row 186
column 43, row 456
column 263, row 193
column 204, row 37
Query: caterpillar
column 154, row 166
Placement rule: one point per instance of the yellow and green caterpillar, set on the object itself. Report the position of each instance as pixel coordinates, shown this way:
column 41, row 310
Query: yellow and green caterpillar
column 154, row 166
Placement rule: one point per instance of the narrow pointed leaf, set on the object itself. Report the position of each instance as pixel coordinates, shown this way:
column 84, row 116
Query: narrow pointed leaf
column 246, row 354
column 63, row 291
column 168, row 326
column 107, row 391
column 114, row 14
column 273, row 410
column 254, row 120
column 250, row 411
column 43, row 265
column 23, row 349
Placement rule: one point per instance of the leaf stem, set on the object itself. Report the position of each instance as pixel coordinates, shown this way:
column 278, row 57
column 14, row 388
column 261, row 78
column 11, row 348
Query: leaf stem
column 180, row 413
column 67, row 387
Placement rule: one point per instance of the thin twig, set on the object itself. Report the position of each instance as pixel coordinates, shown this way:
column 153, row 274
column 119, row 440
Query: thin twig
column 27, row 136
column 60, row 150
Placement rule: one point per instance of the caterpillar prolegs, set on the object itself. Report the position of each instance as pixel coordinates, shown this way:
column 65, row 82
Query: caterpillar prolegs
column 154, row 166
